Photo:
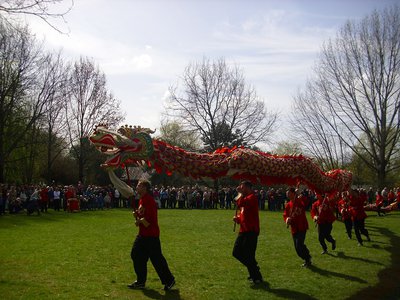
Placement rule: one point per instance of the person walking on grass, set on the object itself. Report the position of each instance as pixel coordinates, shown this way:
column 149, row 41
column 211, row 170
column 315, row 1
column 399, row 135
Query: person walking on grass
column 247, row 217
column 344, row 208
column 294, row 216
column 147, row 243
column 322, row 212
column 358, row 216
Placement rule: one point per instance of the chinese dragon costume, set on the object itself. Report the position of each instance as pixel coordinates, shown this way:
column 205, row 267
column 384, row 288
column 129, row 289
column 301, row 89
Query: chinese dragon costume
column 133, row 146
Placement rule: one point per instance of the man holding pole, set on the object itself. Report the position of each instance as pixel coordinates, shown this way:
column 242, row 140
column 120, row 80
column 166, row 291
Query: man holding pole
column 295, row 216
column 147, row 243
column 247, row 217
column 322, row 214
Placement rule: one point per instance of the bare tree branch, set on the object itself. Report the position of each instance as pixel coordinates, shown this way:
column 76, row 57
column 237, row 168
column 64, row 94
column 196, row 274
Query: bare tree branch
column 213, row 94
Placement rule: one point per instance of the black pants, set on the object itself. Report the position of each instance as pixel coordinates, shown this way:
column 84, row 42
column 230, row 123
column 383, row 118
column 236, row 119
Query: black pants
column 359, row 228
column 149, row 247
column 349, row 226
column 244, row 251
column 324, row 233
column 301, row 249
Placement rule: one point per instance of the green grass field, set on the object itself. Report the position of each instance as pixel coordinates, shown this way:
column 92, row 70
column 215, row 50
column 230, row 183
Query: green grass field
column 87, row 256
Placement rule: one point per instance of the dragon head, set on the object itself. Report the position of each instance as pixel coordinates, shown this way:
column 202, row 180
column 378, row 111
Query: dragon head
column 126, row 146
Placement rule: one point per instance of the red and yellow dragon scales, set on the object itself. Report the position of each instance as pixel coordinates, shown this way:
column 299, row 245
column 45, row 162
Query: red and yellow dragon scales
column 131, row 146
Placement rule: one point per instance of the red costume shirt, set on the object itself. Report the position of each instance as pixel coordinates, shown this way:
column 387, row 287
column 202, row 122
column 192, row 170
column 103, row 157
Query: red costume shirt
column 297, row 213
column 148, row 211
column 248, row 217
column 357, row 208
column 379, row 200
column 324, row 211
column 344, row 210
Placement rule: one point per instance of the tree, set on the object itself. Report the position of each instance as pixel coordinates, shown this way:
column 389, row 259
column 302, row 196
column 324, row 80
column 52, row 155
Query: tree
column 223, row 136
column 174, row 134
column 55, row 78
column 37, row 8
column 215, row 95
column 288, row 148
column 89, row 104
column 22, row 91
column 316, row 137
column 354, row 98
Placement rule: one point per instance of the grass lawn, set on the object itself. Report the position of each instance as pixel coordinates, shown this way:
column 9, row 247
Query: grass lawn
column 86, row 255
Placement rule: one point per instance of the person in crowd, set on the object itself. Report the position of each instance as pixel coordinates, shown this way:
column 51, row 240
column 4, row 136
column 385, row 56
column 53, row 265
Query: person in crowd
column 13, row 204
column 107, row 199
column 263, row 199
column 384, row 194
column 228, row 198
column 33, row 202
column 181, row 198
column 371, row 195
column 23, row 196
column 164, row 197
column 344, row 208
column 57, row 199
column 147, row 243
column 358, row 216
column 172, row 198
column 294, row 216
column 245, row 246
column 117, row 199
column 322, row 212
column 272, row 199
column 391, row 196
column 221, row 198
column 206, row 198
column 379, row 204
column 44, row 199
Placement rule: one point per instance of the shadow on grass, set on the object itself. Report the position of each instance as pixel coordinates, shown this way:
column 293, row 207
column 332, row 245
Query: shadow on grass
column 340, row 254
column 283, row 293
column 388, row 286
column 154, row 294
column 335, row 274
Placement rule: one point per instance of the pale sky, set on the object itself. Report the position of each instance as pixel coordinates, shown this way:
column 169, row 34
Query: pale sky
column 143, row 46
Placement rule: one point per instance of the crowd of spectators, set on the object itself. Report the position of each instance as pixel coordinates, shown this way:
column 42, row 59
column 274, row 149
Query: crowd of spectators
column 39, row 198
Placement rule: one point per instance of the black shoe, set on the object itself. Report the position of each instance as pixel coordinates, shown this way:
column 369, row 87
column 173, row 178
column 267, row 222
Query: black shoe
column 324, row 252
column 136, row 286
column 368, row 239
column 169, row 286
column 334, row 245
column 360, row 244
column 306, row 264
column 257, row 281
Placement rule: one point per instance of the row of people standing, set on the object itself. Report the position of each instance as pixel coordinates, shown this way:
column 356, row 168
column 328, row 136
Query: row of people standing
column 40, row 198
column 207, row 198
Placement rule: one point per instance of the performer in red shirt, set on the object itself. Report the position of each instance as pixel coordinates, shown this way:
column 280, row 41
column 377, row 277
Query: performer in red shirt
column 295, row 216
column 322, row 213
column 147, row 243
column 344, row 208
column 379, row 203
column 245, row 246
column 358, row 215
column 44, row 199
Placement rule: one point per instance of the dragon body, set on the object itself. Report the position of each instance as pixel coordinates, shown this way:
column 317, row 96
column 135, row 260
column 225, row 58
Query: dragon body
column 134, row 146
